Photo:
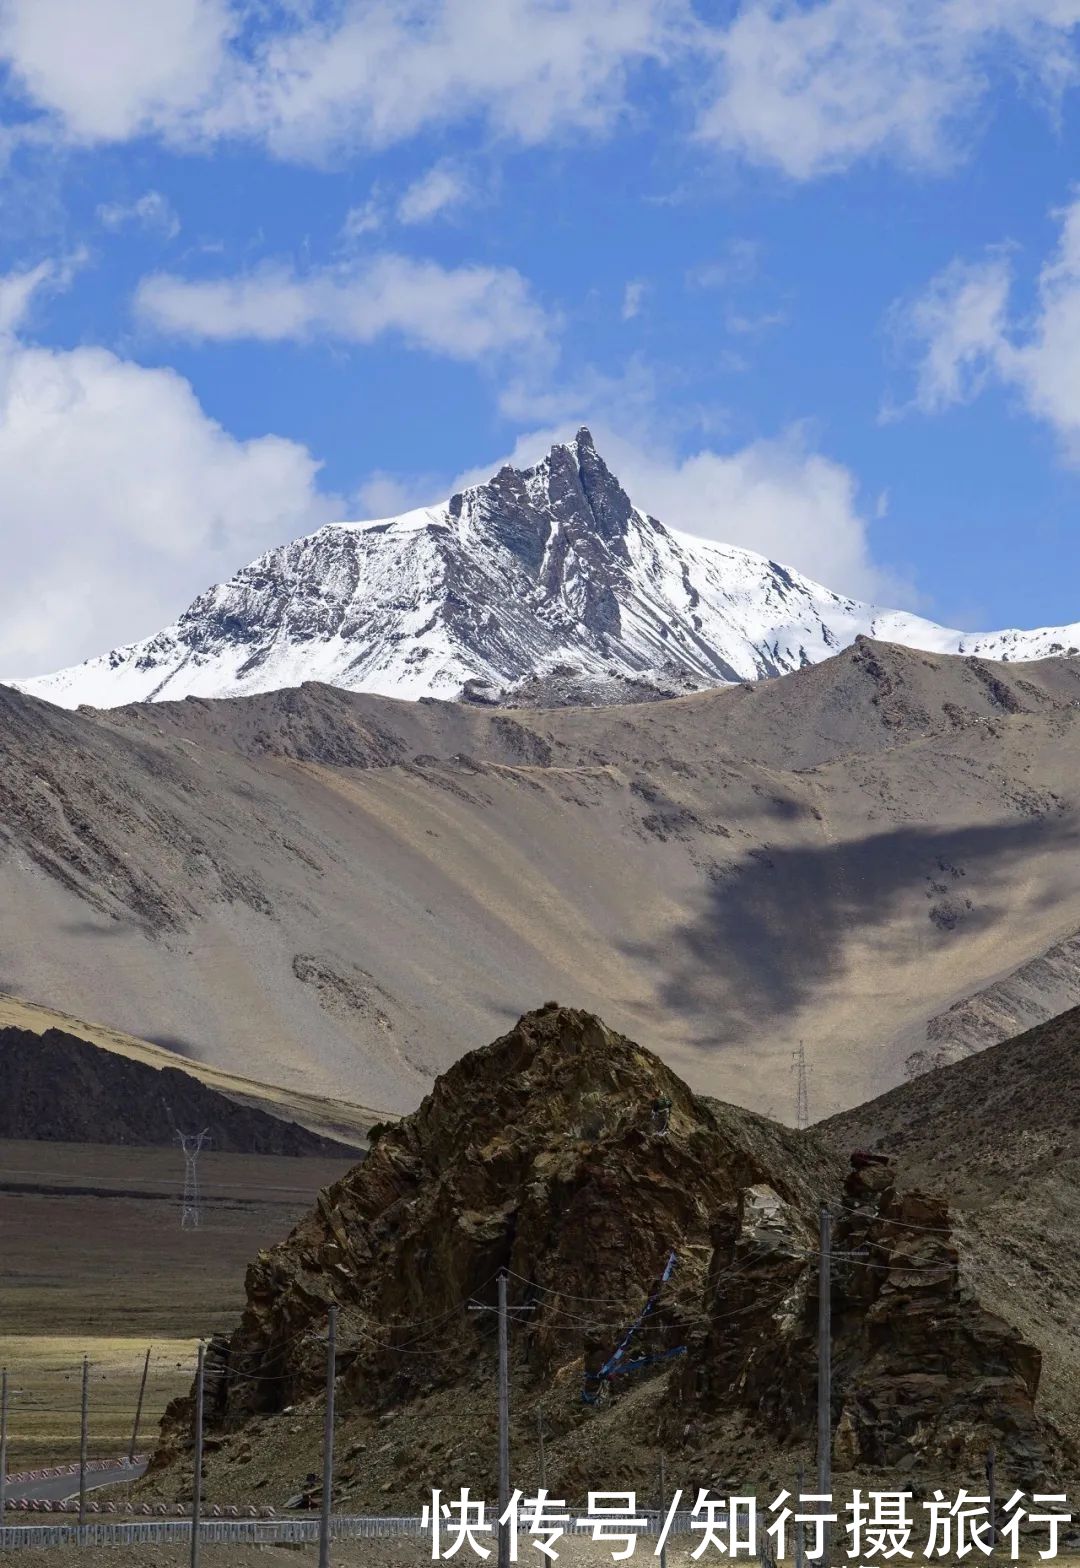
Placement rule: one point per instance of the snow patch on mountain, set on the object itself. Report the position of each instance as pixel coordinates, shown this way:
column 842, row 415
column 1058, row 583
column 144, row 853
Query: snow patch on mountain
column 540, row 570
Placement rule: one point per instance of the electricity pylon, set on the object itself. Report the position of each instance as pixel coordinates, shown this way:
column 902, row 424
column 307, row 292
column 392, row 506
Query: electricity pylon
column 191, row 1143
column 802, row 1097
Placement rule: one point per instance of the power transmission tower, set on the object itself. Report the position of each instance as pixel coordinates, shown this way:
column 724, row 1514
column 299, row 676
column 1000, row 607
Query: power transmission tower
column 138, row 1408
column 192, row 1144
column 802, row 1096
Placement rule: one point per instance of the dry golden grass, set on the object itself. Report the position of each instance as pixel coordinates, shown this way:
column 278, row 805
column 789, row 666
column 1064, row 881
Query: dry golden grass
column 46, row 1391
column 95, row 1263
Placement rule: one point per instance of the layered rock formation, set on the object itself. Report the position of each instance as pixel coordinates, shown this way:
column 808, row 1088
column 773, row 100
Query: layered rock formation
column 540, row 1154
column 924, row 1371
column 580, row 1163
column 925, row 1379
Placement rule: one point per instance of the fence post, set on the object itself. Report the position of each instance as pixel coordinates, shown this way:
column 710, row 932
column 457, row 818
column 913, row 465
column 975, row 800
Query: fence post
column 196, row 1489
column 83, row 1443
column 3, row 1443
column 328, row 1441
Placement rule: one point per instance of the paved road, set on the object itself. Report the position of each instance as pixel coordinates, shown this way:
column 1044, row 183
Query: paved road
column 56, row 1488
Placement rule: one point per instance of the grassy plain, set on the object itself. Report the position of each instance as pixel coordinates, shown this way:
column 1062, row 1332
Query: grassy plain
column 93, row 1262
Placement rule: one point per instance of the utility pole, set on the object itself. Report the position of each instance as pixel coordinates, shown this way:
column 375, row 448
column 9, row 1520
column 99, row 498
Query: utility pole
column 191, row 1143
column 328, row 1440
column 663, row 1511
column 504, row 1424
column 82, row 1442
column 196, row 1484
column 503, row 1560
column 138, row 1408
column 3, row 1444
column 824, row 1409
column 802, row 1094
column 991, row 1487
column 540, row 1447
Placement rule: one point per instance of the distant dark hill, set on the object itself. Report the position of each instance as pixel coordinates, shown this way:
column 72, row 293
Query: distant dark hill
column 64, row 1090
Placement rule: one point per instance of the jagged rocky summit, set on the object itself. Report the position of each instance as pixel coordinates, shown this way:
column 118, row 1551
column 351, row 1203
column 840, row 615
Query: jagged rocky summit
column 615, row 1198
column 544, row 585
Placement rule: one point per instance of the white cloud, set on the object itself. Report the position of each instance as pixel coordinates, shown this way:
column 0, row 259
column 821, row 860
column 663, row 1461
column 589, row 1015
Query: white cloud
column 467, row 313
column 308, row 80
column 633, row 296
column 744, row 325
column 738, row 263
column 966, row 336
column 960, row 323
column 122, row 498
column 443, row 186
column 109, row 70
column 151, row 211
column 807, row 86
column 365, row 218
column 812, row 88
column 17, row 290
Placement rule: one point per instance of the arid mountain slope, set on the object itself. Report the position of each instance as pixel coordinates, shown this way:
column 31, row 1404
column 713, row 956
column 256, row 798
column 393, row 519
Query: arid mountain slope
column 338, row 893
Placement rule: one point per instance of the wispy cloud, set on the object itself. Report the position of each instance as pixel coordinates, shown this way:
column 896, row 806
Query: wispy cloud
column 633, row 298
column 467, row 312
column 966, row 335
column 812, row 89
column 151, row 211
column 443, row 188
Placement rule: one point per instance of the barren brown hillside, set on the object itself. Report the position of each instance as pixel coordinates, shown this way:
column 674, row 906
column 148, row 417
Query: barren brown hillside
column 339, row 893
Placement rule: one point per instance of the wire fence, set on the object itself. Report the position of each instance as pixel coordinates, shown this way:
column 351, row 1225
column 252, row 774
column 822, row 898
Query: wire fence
column 263, row 1532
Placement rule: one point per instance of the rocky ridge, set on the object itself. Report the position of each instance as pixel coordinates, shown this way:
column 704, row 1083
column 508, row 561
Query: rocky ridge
column 537, row 571
column 614, row 1197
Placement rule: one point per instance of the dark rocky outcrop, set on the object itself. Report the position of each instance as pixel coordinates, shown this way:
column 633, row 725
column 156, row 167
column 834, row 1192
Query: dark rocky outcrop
column 925, row 1378
column 539, row 1154
column 576, row 1160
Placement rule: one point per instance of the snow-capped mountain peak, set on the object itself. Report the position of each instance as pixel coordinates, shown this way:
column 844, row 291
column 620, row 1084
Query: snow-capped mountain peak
column 549, row 568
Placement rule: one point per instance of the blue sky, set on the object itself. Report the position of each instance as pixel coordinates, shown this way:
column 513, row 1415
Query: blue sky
column 810, row 271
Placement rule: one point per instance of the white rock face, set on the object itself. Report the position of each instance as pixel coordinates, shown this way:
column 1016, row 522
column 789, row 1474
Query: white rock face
column 538, row 570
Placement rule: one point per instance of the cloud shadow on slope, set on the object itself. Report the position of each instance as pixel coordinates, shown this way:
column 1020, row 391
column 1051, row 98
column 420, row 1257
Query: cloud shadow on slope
column 772, row 927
